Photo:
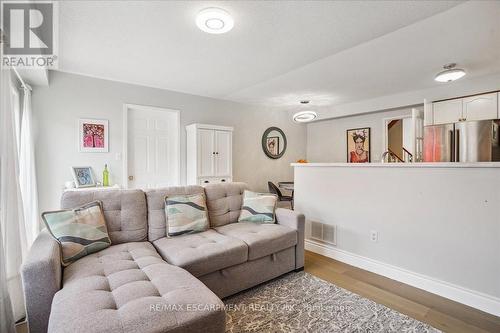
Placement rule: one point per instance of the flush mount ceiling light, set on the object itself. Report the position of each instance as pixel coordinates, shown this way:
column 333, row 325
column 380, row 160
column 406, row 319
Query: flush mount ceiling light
column 304, row 116
column 214, row 21
column 450, row 73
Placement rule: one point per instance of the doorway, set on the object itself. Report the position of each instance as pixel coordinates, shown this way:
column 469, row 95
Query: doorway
column 151, row 147
column 403, row 137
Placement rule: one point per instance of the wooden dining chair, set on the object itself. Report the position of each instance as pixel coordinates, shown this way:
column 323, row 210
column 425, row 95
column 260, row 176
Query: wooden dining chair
column 275, row 190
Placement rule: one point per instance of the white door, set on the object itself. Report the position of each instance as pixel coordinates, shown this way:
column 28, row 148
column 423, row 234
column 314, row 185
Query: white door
column 481, row 107
column 206, row 159
column 152, row 147
column 447, row 112
column 223, row 153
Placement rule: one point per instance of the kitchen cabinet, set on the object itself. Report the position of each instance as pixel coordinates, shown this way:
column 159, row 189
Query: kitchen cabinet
column 208, row 154
column 480, row 107
column 446, row 112
column 477, row 107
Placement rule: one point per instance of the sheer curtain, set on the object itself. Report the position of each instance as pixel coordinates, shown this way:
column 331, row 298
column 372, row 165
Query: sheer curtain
column 12, row 227
column 27, row 171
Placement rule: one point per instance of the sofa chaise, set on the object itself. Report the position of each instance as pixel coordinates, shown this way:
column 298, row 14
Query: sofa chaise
column 146, row 282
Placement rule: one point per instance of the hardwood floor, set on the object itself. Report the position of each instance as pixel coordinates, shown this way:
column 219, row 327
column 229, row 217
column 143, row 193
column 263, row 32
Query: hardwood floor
column 442, row 313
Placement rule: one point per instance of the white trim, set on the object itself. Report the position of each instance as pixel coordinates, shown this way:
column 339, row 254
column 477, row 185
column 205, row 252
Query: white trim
column 475, row 299
column 212, row 127
column 386, row 122
column 126, row 107
column 125, row 147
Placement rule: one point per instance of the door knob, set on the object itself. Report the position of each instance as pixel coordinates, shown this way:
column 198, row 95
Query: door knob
column 130, row 177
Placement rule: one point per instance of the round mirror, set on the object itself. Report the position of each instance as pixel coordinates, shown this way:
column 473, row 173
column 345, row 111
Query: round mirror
column 274, row 142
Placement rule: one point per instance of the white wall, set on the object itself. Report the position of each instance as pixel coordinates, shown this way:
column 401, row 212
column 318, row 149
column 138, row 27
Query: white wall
column 440, row 224
column 326, row 139
column 469, row 86
column 69, row 97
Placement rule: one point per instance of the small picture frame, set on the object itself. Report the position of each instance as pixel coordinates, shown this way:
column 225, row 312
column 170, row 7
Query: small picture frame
column 273, row 145
column 83, row 176
column 93, row 136
column 358, row 145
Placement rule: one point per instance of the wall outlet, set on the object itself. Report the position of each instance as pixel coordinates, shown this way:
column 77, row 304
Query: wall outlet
column 374, row 236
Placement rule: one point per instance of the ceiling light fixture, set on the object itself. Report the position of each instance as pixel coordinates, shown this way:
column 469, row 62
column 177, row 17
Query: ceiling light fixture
column 304, row 116
column 450, row 73
column 214, row 21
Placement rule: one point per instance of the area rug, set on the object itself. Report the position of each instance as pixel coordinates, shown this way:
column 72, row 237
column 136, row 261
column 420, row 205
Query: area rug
column 301, row 302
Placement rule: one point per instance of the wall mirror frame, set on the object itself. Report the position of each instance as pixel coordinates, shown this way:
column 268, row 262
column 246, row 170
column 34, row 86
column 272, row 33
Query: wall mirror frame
column 274, row 142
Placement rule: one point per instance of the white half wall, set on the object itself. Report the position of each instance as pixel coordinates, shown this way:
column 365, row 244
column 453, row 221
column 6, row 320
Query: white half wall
column 438, row 227
column 69, row 97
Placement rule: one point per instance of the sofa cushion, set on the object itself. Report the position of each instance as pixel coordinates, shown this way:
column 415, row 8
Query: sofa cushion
column 79, row 231
column 262, row 239
column 258, row 207
column 129, row 288
column 186, row 214
column 124, row 211
column 224, row 202
column 157, row 221
column 202, row 253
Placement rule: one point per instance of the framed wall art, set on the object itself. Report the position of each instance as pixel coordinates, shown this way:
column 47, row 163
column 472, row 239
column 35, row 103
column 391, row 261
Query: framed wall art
column 93, row 136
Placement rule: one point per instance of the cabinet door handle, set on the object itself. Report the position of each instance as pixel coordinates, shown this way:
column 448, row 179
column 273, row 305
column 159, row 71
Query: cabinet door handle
column 206, row 181
column 217, row 153
column 223, row 180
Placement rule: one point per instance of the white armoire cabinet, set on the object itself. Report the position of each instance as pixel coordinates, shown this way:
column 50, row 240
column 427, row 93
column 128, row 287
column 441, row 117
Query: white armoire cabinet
column 208, row 154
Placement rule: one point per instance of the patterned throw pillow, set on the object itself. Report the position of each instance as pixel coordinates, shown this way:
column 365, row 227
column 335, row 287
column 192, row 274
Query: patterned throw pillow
column 258, row 207
column 186, row 214
column 80, row 231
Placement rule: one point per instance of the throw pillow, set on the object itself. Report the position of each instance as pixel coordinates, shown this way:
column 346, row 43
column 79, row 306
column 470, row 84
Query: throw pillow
column 80, row 231
column 186, row 214
column 258, row 207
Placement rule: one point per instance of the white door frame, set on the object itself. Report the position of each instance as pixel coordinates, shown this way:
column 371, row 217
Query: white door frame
column 126, row 108
column 386, row 122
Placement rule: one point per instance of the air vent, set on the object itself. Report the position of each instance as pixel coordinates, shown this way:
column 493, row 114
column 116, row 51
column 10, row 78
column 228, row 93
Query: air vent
column 322, row 232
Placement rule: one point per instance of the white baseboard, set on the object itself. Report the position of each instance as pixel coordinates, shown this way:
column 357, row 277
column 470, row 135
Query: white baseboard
column 483, row 302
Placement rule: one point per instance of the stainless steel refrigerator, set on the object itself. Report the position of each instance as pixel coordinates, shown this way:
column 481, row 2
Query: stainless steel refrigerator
column 466, row 141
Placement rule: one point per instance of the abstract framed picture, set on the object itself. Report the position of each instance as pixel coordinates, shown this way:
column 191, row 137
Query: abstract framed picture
column 83, row 176
column 358, row 145
column 273, row 145
column 93, row 136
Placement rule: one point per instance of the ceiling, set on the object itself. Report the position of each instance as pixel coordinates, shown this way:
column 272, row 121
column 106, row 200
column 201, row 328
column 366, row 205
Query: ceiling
column 280, row 52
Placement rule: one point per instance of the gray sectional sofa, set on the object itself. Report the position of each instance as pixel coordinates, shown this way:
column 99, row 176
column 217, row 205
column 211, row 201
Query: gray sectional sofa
column 145, row 282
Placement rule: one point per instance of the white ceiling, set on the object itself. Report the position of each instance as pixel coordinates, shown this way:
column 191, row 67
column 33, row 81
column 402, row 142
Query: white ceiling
column 280, row 52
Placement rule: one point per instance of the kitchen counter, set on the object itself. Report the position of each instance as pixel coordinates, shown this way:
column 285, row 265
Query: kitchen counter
column 403, row 165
